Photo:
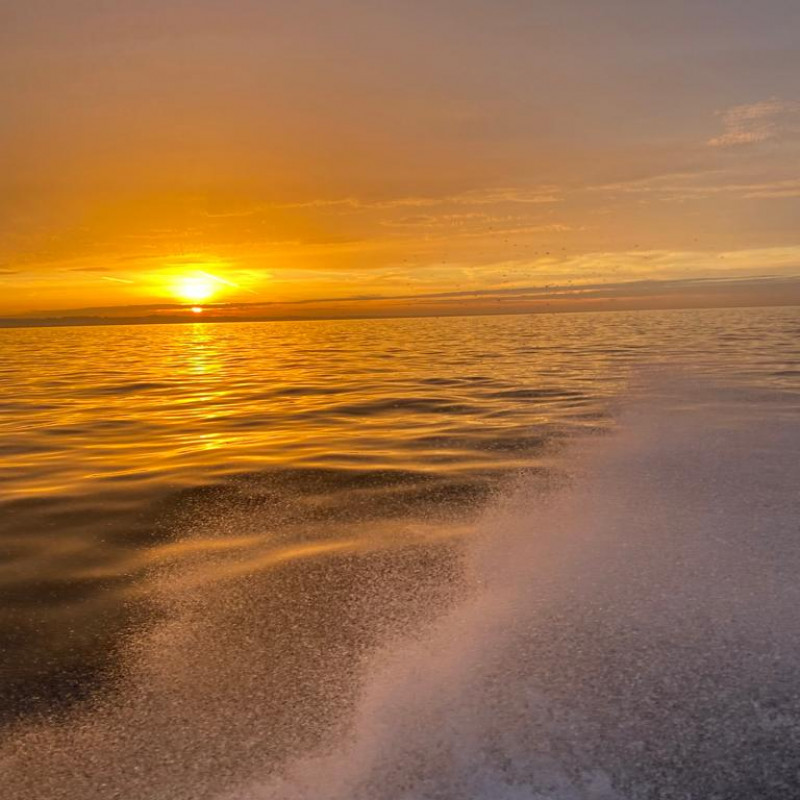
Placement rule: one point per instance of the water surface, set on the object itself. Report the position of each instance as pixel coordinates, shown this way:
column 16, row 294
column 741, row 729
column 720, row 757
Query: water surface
column 498, row 556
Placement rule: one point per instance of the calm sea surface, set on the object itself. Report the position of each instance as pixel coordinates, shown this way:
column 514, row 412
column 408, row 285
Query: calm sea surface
column 218, row 540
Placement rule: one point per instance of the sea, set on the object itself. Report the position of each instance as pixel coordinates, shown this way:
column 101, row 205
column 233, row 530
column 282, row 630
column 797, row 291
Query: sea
column 551, row 556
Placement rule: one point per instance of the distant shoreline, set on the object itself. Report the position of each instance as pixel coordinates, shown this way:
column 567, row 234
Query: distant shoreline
column 83, row 322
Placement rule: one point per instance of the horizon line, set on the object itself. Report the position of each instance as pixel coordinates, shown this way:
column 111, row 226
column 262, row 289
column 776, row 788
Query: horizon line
column 11, row 323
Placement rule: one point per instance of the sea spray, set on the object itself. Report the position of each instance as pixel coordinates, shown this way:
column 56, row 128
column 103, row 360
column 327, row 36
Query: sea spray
column 631, row 634
column 627, row 630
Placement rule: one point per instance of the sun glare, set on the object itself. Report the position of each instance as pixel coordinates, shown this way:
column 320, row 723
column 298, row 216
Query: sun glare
column 197, row 310
column 195, row 288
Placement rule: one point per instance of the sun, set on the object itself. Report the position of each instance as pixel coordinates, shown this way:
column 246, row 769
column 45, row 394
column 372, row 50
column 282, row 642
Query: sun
column 195, row 288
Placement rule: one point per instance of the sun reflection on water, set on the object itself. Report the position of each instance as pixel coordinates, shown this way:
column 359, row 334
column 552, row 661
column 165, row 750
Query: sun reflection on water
column 133, row 405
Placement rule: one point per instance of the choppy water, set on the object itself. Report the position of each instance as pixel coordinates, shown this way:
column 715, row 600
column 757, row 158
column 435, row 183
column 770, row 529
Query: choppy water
column 508, row 557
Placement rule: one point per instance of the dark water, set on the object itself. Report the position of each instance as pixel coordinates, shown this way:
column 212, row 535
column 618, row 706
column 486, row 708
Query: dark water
column 509, row 557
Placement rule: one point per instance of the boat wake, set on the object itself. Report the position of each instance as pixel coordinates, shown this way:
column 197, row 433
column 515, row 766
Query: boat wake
column 625, row 629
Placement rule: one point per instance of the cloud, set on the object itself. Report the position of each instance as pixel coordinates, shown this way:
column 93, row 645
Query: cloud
column 698, row 187
column 648, row 293
column 474, row 197
column 757, row 122
column 474, row 224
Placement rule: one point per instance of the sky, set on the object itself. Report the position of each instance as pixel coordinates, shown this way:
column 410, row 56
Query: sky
column 315, row 158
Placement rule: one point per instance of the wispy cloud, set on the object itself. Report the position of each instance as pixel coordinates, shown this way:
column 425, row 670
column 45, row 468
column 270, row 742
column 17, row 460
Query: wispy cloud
column 474, row 225
column 697, row 187
column 473, row 197
column 757, row 122
column 647, row 293
column 217, row 279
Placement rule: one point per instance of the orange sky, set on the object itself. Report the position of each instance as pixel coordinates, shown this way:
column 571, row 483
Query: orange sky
column 269, row 158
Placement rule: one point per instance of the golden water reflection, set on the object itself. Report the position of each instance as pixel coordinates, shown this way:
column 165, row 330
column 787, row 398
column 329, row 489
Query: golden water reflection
column 92, row 408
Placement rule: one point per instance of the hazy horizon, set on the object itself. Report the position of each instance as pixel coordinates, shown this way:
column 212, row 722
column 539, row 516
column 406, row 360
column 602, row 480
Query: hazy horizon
column 634, row 296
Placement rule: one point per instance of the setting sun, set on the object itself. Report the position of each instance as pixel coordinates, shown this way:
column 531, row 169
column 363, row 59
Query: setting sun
column 195, row 288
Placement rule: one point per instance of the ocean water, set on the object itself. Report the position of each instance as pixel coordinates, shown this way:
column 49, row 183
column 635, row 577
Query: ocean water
column 505, row 558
